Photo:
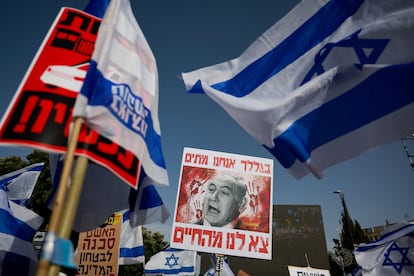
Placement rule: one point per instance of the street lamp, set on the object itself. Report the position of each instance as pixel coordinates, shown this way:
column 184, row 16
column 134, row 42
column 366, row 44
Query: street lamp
column 346, row 214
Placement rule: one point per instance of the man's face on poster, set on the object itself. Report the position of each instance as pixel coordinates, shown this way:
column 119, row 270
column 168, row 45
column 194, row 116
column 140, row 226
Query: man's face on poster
column 222, row 200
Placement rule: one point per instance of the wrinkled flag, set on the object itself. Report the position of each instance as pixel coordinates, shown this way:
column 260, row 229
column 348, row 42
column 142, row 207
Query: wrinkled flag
column 329, row 81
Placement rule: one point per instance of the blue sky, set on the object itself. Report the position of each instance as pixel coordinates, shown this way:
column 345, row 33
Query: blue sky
column 187, row 35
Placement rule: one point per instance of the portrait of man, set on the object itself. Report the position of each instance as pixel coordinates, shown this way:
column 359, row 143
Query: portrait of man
column 224, row 200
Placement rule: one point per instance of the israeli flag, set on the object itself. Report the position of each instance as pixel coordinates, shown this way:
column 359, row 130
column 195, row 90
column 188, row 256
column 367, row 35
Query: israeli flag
column 172, row 262
column 18, row 226
column 392, row 254
column 329, row 81
column 131, row 246
column 20, row 184
column 119, row 97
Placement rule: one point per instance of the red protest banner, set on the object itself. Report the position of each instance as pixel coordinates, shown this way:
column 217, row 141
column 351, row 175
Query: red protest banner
column 40, row 113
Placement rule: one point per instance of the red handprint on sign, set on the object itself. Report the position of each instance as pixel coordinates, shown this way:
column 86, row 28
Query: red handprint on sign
column 253, row 191
column 198, row 210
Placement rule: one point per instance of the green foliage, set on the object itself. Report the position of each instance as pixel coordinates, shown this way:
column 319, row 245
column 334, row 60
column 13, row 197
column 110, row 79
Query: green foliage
column 11, row 163
column 352, row 234
column 359, row 234
column 43, row 186
column 153, row 243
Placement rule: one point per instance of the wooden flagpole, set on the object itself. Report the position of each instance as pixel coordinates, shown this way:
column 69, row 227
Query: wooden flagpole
column 57, row 220
column 71, row 204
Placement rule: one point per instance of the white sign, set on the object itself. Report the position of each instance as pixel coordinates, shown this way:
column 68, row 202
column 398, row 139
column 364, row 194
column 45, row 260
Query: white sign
column 307, row 271
column 224, row 204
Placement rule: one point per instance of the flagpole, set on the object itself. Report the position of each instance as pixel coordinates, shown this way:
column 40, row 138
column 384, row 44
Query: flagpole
column 71, row 204
column 47, row 251
column 219, row 264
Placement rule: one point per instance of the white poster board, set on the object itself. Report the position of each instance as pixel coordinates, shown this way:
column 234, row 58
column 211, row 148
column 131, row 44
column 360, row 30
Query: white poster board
column 224, row 204
column 305, row 271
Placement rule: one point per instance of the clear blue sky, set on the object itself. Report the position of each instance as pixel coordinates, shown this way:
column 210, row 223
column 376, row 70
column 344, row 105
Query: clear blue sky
column 186, row 35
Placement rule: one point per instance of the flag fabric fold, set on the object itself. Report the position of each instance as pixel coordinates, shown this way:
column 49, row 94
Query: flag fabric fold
column 329, row 81
column 19, row 184
column 103, row 194
column 392, row 254
column 172, row 262
column 131, row 247
column 18, row 226
column 119, row 97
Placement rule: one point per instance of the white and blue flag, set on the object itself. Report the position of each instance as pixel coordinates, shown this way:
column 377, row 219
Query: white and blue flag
column 18, row 225
column 131, row 246
column 119, row 97
column 329, row 81
column 20, row 184
column 392, row 254
column 103, row 193
column 172, row 261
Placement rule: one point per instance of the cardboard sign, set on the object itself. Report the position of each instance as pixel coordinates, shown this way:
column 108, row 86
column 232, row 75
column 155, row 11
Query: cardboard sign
column 224, row 204
column 98, row 249
column 40, row 113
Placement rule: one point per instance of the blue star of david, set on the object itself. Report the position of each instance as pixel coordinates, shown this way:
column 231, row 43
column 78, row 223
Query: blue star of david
column 360, row 47
column 404, row 261
column 171, row 261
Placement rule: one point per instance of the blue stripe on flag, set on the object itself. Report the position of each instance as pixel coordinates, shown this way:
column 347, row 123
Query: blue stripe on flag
column 150, row 198
column 300, row 42
column 97, row 7
column 173, row 271
column 12, row 226
column 95, row 81
column 317, row 127
column 131, row 252
column 406, row 230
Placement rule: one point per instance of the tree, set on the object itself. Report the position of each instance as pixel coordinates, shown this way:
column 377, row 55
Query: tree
column 359, row 234
column 351, row 234
column 347, row 233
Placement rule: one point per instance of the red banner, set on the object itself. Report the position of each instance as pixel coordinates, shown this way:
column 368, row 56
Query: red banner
column 40, row 113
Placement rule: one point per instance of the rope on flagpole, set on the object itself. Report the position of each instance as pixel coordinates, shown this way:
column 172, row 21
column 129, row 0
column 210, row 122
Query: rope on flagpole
column 57, row 220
